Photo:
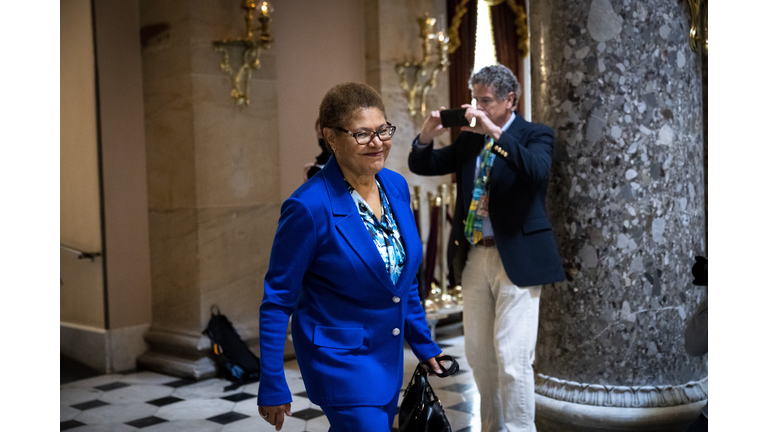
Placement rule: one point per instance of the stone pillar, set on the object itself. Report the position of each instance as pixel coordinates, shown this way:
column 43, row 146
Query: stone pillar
column 213, row 181
column 622, row 90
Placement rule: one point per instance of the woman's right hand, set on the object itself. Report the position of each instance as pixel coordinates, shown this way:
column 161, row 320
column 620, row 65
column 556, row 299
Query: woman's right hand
column 275, row 415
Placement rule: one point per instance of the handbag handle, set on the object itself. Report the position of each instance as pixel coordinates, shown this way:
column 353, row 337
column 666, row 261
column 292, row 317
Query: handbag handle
column 452, row 370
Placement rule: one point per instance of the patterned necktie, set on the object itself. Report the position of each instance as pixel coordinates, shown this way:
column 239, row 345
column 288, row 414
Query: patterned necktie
column 473, row 228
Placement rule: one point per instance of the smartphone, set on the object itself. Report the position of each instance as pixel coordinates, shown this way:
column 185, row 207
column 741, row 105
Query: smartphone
column 453, row 117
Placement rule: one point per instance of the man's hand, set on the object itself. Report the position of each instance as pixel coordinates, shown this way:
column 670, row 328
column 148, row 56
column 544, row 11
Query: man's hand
column 483, row 125
column 275, row 415
column 432, row 127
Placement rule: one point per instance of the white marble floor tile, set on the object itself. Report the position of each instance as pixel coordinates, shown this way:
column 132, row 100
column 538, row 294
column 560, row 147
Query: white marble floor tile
column 301, row 403
column 185, row 426
column 93, row 382
column 459, row 419
column 248, row 407
column 66, row 412
column 147, row 377
column 318, row 424
column 209, row 389
column 195, row 409
column 119, row 413
column 114, row 427
column 252, row 388
column 260, row 425
column 136, row 393
column 74, row 396
column 295, row 385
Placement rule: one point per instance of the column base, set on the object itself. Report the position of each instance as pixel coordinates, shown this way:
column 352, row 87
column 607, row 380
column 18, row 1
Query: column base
column 554, row 415
column 178, row 354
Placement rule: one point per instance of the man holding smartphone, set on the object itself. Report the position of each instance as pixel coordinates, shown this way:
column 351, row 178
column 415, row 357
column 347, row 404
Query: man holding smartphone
column 505, row 248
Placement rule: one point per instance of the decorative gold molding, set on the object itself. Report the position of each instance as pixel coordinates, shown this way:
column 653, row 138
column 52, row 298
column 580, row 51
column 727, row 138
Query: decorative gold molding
column 453, row 32
column 698, row 35
column 521, row 24
column 521, row 27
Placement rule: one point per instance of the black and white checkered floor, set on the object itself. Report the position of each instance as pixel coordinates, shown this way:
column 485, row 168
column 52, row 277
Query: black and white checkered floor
column 153, row 402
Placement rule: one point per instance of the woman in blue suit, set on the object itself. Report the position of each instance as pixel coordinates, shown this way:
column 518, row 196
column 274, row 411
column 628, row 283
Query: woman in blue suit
column 344, row 264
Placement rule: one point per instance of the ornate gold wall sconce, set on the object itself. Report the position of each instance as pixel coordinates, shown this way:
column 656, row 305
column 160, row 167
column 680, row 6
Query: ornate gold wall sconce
column 250, row 46
column 698, row 37
column 419, row 78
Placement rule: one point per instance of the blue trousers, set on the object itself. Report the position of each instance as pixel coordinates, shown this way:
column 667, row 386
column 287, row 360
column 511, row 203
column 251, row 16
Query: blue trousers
column 362, row 418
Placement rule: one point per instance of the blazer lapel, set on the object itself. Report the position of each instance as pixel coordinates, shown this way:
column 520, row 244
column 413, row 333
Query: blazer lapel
column 401, row 209
column 515, row 129
column 350, row 225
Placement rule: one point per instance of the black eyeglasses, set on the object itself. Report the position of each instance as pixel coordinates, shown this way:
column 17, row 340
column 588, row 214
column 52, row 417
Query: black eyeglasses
column 365, row 137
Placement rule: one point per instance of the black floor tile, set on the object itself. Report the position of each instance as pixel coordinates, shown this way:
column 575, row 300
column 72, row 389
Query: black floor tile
column 465, row 406
column 237, row 397
column 462, row 371
column 180, row 383
column 458, row 388
column 307, row 414
column 72, row 370
column 111, row 386
column 227, row 418
column 70, row 424
column 302, row 394
column 146, row 422
column 88, row 405
column 164, row 401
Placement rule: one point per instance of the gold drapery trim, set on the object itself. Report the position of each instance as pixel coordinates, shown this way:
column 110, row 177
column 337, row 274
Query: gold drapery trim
column 453, row 31
column 521, row 25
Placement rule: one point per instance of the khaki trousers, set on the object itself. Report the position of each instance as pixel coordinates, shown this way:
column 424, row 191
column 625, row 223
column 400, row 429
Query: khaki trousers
column 500, row 327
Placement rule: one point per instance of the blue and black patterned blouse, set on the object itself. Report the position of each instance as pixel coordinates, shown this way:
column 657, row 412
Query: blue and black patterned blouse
column 384, row 232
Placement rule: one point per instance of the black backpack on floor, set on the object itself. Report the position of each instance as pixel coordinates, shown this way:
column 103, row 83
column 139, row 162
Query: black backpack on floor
column 235, row 359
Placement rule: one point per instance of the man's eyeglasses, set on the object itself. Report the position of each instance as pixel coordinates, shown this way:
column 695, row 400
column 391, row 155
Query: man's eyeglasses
column 365, row 137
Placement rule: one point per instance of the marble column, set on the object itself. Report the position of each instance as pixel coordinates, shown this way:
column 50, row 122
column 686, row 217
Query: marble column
column 213, row 181
column 622, row 90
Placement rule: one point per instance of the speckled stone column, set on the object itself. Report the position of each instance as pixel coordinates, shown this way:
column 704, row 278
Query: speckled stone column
column 622, row 90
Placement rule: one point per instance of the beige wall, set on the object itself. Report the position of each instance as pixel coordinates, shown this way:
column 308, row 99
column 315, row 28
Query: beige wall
column 121, row 113
column 105, row 304
column 81, row 294
column 317, row 45
column 80, row 226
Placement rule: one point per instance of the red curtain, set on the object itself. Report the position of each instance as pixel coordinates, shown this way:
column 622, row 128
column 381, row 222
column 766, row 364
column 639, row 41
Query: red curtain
column 505, row 38
column 463, row 58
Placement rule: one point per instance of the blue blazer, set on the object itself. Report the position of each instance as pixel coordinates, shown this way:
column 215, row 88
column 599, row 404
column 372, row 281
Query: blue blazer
column 516, row 198
column 349, row 319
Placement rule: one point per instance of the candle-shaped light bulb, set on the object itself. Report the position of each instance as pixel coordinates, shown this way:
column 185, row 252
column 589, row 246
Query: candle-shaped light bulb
column 440, row 36
column 264, row 8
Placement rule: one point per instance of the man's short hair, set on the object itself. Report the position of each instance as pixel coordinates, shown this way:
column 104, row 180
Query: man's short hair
column 500, row 78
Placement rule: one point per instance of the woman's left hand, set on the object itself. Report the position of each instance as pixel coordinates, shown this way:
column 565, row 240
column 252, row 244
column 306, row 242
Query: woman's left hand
column 433, row 365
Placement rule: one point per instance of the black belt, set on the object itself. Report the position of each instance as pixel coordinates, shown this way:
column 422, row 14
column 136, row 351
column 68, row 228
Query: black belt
column 487, row 242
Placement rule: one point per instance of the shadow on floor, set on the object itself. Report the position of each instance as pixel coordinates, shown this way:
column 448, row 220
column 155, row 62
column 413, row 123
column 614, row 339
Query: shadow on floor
column 72, row 370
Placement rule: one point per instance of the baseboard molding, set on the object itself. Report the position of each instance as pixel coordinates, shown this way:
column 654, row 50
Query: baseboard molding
column 106, row 351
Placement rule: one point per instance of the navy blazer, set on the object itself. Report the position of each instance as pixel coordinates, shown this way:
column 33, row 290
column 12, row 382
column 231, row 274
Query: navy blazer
column 349, row 319
column 516, row 198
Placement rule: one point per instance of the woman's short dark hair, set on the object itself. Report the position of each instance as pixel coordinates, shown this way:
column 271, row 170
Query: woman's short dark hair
column 343, row 100
column 500, row 77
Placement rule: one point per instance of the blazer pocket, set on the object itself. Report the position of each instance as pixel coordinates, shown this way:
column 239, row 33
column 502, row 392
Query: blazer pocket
column 533, row 225
column 338, row 337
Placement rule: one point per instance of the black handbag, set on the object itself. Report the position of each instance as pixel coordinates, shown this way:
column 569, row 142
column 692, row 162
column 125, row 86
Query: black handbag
column 421, row 410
